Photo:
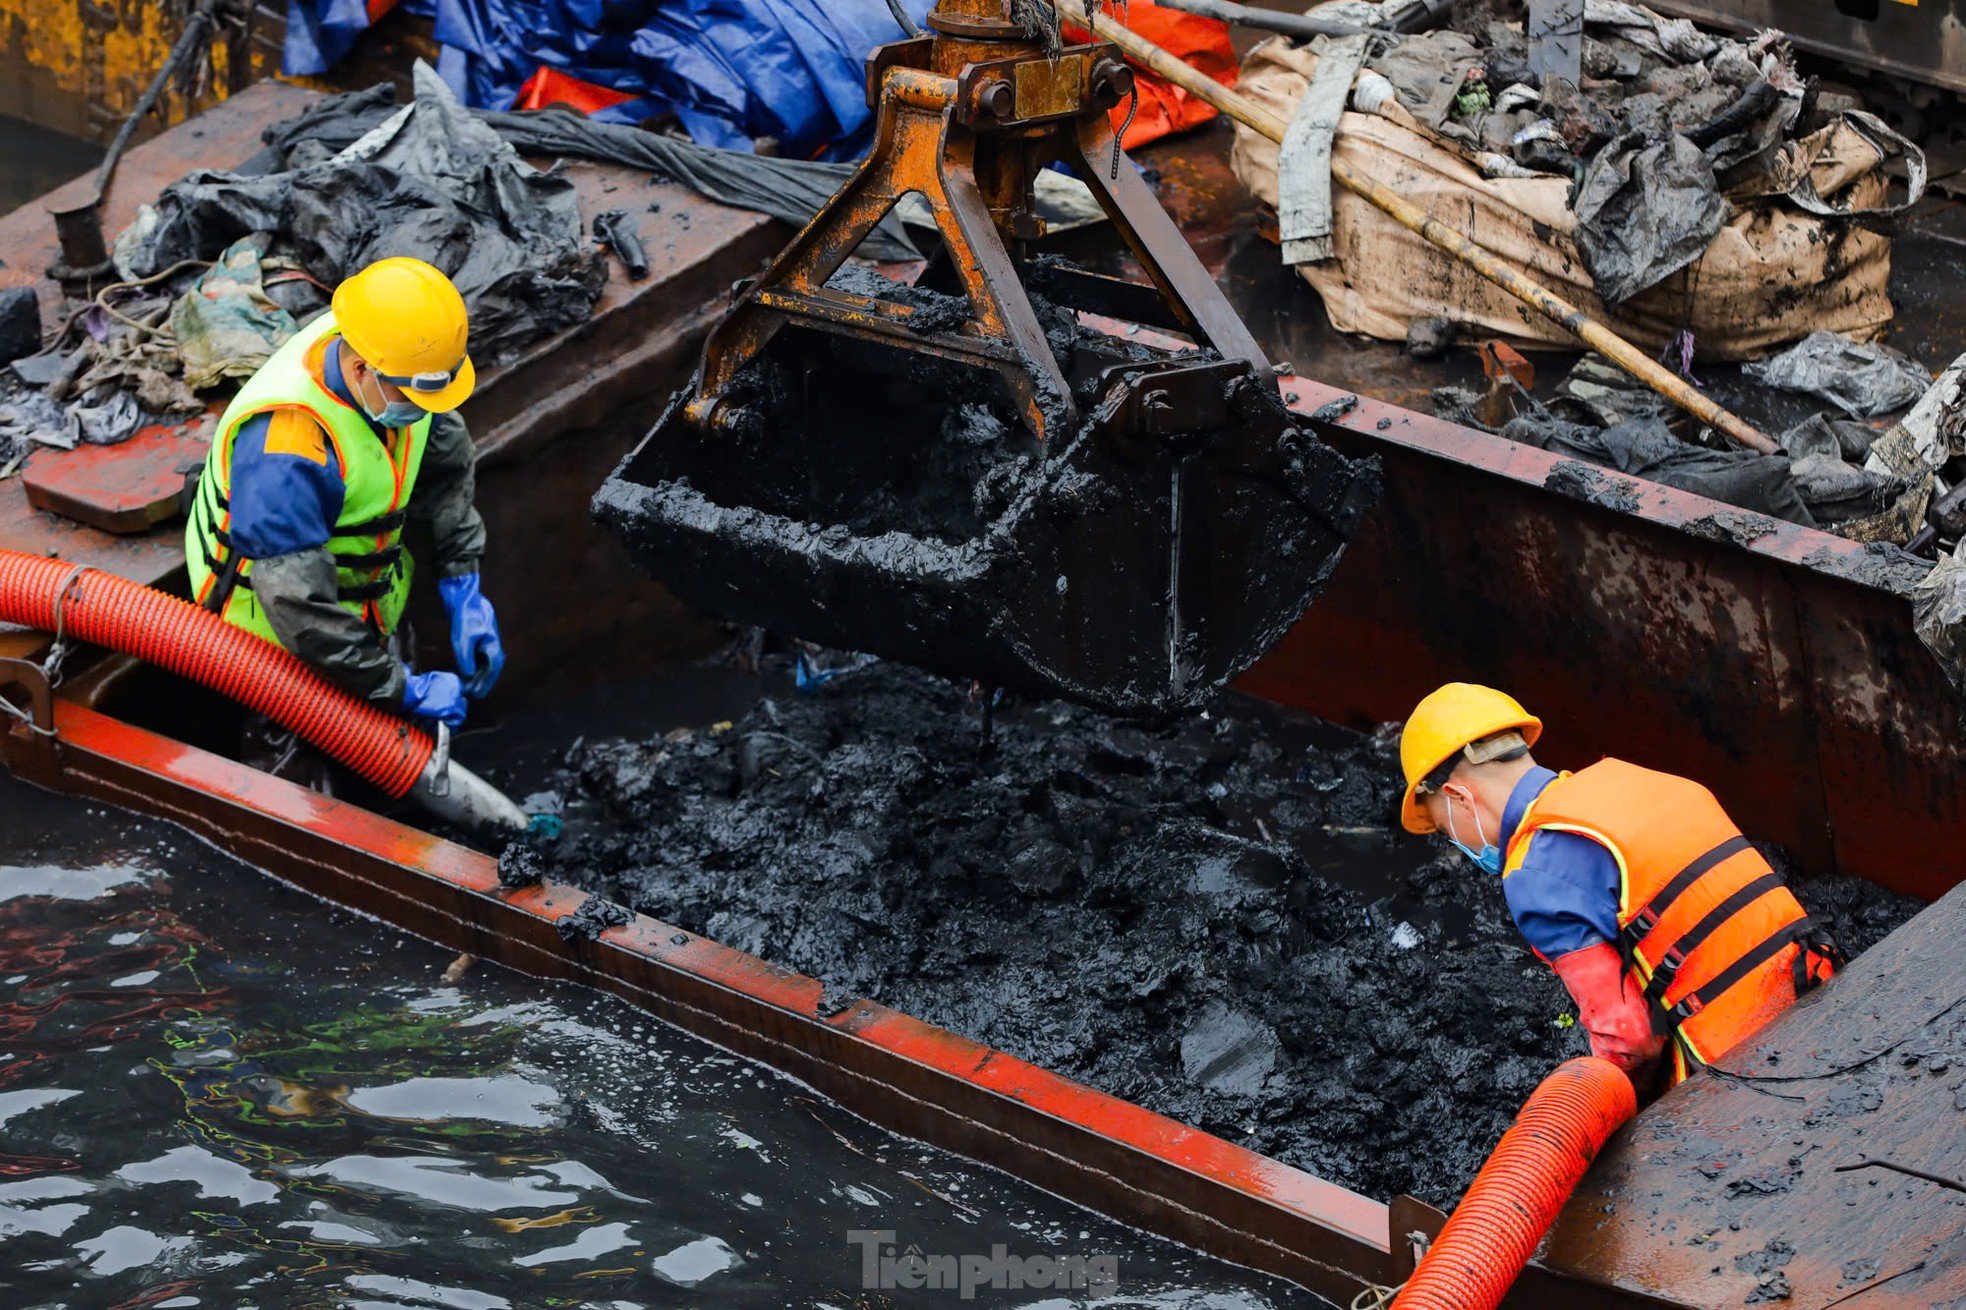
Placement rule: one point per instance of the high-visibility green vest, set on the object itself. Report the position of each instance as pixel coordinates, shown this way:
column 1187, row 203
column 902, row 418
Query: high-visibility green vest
column 374, row 568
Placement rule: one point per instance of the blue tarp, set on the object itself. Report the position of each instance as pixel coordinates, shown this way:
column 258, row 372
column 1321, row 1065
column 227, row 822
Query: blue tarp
column 730, row 70
column 320, row 33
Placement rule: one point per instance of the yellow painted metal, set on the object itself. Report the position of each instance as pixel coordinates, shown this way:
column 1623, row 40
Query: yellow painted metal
column 78, row 66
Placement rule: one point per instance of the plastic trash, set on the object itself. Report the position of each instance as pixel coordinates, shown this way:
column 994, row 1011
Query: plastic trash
column 1862, row 380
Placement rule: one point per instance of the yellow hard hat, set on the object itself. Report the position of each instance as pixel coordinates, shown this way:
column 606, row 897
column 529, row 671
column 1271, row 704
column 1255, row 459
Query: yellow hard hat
column 1447, row 721
column 408, row 322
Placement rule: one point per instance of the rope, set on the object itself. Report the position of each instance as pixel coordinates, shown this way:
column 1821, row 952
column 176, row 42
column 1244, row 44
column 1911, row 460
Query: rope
column 1375, row 1297
column 58, row 651
column 102, row 301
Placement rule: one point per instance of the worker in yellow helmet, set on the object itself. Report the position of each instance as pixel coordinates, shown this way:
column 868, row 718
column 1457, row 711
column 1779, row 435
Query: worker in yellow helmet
column 346, row 434
column 1671, row 932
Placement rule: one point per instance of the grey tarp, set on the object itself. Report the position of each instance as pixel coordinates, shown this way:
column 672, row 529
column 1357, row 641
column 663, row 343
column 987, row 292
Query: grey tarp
column 1670, row 38
column 1861, row 380
column 1645, row 211
column 787, row 189
column 1427, row 70
column 1646, row 448
column 432, row 181
column 1826, row 457
column 1599, row 414
column 104, row 416
column 1938, row 609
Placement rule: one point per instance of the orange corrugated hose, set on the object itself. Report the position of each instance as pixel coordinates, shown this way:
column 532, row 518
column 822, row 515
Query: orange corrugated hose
column 1516, row 1196
column 104, row 610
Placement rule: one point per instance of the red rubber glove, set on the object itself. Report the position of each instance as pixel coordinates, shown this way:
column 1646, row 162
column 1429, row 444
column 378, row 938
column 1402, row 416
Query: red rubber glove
column 1611, row 1006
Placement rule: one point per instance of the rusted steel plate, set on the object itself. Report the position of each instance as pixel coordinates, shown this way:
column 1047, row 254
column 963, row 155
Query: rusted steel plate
column 1092, row 1148
column 1775, row 663
column 122, row 489
column 221, row 137
column 1753, row 1188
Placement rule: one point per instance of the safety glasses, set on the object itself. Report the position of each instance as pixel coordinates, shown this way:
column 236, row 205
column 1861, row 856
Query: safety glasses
column 429, row 381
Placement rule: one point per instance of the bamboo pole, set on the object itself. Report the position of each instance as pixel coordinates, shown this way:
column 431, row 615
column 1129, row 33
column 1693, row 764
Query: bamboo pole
column 1301, row 26
column 1409, row 215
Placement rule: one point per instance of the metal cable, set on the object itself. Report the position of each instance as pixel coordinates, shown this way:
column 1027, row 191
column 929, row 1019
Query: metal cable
column 901, row 17
column 1375, row 1297
column 1132, row 109
column 58, row 649
column 26, row 717
column 101, row 300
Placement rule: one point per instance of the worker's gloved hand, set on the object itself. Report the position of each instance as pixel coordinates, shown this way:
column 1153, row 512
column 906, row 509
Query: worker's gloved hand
column 1611, row 1006
column 435, row 696
column 474, row 634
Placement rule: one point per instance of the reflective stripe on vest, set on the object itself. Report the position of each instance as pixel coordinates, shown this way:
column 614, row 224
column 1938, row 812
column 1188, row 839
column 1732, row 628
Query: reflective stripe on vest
column 1708, row 930
column 372, row 568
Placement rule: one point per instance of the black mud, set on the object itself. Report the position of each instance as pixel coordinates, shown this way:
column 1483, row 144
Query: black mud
column 856, row 494
column 1208, row 917
column 1882, row 565
column 1581, row 481
column 1740, row 527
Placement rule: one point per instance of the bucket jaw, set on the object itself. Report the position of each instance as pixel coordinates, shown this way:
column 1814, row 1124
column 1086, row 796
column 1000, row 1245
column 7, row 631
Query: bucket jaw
column 964, row 475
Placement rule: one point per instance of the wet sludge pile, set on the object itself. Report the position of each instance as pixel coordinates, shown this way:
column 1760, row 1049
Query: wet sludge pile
column 1207, row 917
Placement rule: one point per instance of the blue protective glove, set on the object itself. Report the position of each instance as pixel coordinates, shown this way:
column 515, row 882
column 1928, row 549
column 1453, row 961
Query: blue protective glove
column 474, row 634
column 435, row 696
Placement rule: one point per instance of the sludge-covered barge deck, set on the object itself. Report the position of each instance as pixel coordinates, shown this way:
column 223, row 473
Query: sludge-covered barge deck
column 1675, row 631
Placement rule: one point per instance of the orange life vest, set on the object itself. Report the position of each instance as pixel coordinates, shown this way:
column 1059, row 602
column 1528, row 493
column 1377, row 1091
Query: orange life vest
column 1718, row 943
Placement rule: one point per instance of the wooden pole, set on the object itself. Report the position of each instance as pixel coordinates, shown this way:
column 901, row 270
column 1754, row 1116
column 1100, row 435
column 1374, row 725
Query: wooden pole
column 1301, row 26
column 1409, row 215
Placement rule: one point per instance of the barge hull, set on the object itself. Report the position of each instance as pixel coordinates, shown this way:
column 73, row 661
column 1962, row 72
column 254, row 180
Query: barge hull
column 1778, row 664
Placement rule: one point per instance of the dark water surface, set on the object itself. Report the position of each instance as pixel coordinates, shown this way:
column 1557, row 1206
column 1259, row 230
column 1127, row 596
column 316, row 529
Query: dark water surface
column 218, row 1092
column 34, row 160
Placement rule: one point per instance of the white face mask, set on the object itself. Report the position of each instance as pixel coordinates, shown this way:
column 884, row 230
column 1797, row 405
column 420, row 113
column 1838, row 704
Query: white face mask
column 388, row 413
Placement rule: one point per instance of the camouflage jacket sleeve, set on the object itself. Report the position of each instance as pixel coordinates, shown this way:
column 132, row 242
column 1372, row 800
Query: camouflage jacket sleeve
column 298, row 593
column 445, row 488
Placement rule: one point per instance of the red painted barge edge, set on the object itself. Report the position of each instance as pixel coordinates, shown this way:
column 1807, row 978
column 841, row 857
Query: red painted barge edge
column 1113, row 1156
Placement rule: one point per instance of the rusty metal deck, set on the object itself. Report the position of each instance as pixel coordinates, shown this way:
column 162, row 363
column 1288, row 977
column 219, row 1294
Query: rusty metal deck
column 549, row 425
column 1830, row 1167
